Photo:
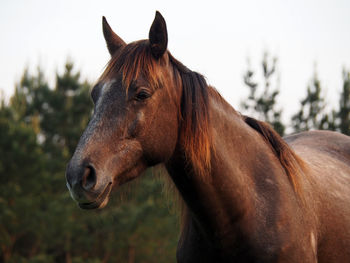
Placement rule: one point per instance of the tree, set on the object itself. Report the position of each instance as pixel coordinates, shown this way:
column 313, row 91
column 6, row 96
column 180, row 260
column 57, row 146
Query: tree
column 21, row 161
column 344, row 111
column 312, row 113
column 60, row 113
column 263, row 103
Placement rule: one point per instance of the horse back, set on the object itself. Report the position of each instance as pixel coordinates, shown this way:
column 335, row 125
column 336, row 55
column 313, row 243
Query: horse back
column 330, row 143
column 327, row 189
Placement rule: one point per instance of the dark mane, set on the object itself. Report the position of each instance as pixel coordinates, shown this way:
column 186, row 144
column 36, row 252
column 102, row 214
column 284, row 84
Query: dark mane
column 195, row 127
column 291, row 163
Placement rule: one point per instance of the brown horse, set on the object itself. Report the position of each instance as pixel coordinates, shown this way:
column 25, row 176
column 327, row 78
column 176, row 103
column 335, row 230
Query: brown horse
column 250, row 196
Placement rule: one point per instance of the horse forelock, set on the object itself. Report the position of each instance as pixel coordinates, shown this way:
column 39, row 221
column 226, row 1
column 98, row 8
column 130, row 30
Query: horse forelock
column 131, row 62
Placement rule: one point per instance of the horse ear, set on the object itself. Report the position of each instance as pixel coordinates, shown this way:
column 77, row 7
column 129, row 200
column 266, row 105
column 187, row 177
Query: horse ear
column 114, row 42
column 158, row 36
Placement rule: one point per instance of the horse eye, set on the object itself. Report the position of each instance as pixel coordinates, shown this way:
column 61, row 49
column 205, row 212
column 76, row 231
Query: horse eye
column 142, row 95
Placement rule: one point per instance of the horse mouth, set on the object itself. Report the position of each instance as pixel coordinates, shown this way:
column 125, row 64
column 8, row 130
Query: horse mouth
column 100, row 201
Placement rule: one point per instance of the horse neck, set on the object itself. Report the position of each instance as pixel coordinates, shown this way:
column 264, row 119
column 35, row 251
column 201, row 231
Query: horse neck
column 242, row 169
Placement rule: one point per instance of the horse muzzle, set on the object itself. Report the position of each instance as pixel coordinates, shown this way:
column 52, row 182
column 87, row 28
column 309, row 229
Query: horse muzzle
column 84, row 187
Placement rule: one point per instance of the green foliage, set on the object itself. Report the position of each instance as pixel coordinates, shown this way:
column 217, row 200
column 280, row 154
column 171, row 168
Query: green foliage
column 263, row 102
column 39, row 222
column 21, row 161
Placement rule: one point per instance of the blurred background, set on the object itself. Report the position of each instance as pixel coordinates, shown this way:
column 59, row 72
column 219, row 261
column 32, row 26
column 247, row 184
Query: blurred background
column 284, row 62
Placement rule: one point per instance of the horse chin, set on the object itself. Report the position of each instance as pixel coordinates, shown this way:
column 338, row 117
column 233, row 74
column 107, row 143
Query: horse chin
column 100, row 202
column 130, row 174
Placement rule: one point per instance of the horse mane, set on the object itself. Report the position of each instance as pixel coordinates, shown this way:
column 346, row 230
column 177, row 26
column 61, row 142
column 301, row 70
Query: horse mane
column 195, row 133
column 292, row 164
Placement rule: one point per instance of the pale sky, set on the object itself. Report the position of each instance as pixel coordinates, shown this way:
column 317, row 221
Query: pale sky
column 214, row 38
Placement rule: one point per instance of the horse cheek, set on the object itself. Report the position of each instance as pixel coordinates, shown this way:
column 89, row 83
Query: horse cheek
column 160, row 139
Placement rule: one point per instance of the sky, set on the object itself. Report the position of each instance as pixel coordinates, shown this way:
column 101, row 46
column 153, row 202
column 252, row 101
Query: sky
column 215, row 38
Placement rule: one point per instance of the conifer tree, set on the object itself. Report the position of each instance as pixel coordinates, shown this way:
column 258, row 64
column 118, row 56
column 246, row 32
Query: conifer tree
column 344, row 111
column 312, row 113
column 261, row 103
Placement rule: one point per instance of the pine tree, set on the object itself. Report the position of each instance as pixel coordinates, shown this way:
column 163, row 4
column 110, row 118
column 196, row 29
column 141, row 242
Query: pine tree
column 21, row 165
column 262, row 103
column 344, row 111
column 312, row 113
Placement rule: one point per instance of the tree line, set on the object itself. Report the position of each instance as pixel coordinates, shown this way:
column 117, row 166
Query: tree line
column 40, row 127
column 262, row 102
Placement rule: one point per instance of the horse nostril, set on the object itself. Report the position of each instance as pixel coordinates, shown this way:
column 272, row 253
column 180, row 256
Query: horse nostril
column 89, row 178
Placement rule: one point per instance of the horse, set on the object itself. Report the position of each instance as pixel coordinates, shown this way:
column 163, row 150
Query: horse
column 249, row 194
